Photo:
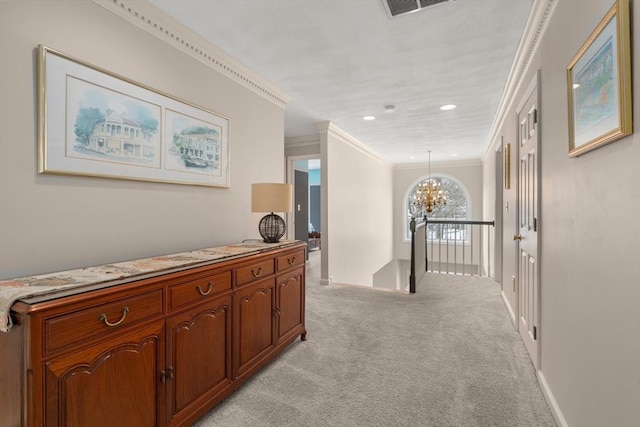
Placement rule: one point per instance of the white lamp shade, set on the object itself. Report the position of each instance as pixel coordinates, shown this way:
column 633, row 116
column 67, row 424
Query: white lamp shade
column 271, row 197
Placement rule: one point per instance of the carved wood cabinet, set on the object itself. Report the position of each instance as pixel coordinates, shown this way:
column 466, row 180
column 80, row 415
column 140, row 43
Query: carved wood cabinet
column 157, row 351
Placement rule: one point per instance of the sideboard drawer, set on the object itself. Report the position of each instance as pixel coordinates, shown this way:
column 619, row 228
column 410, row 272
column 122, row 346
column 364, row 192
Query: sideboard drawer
column 87, row 323
column 254, row 271
column 291, row 260
column 199, row 289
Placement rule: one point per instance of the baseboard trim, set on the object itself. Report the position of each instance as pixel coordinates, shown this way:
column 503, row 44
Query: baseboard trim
column 370, row 288
column 551, row 401
column 512, row 315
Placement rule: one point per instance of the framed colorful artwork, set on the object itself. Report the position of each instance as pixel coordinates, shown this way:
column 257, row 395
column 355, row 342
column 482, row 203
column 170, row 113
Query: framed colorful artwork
column 599, row 84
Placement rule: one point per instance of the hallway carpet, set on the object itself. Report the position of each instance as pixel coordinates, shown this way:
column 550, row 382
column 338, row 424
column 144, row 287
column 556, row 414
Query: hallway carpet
column 445, row 356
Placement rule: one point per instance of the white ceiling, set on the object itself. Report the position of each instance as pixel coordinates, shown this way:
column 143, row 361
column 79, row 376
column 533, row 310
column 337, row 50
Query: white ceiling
column 341, row 60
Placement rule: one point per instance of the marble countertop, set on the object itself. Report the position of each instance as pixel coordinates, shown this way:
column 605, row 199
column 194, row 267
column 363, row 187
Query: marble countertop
column 79, row 280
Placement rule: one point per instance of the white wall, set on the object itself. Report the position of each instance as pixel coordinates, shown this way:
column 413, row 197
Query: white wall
column 590, row 245
column 358, row 211
column 49, row 222
column 469, row 173
column 590, row 234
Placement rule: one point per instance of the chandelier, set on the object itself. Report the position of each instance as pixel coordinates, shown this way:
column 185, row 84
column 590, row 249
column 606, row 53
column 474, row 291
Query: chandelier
column 429, row 194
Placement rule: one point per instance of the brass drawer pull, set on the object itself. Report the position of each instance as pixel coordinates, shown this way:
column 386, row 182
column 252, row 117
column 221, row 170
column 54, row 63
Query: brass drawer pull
column 258, row 274
column 291, row 260
column 209, row 289
column 103, row 318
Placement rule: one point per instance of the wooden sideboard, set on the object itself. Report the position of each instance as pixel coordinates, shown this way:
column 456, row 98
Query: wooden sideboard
column 157, row 351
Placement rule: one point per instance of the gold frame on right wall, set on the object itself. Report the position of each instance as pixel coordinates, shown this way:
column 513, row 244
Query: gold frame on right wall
column 599, row 84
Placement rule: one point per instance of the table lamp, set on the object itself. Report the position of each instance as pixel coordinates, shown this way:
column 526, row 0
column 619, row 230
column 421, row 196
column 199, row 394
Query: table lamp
column 271, row 197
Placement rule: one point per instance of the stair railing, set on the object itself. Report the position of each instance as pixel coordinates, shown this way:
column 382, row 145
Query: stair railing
column 458, row 246
column 418, row 253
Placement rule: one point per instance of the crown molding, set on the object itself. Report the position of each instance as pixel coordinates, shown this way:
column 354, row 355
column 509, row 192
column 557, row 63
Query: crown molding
column 332, row 130
column 537, row 23
column 151, row 19
column 302, row 141
column 441, row 164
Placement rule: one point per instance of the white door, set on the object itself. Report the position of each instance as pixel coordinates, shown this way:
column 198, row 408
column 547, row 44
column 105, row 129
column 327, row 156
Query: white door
column 528, row 222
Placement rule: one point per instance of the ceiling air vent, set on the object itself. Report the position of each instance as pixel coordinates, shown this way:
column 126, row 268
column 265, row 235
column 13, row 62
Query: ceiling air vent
column 397, row 8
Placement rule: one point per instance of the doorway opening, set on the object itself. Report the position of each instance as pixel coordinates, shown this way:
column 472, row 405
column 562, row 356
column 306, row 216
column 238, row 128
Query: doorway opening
column 305, row 175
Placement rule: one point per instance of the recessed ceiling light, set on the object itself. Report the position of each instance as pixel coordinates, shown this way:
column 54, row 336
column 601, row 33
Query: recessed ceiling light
column 454, row 155
column 369, row 118
column 412, row 157
column 448, row 107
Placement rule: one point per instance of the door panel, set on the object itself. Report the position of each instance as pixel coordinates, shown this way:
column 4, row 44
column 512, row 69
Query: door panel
column 110, row 384
column 315, row 207
column 254, row 310
column 528, row 218
column 199, row 353
column 290, row 297
column 301, row 208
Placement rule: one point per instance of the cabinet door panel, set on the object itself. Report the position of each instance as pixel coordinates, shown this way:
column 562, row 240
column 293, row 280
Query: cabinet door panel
column 113, row 384
column 199, row 346
column 254, row 321
column 290, row 297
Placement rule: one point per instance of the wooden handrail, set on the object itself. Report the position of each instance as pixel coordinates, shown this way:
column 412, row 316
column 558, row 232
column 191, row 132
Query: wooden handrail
column 458, row 222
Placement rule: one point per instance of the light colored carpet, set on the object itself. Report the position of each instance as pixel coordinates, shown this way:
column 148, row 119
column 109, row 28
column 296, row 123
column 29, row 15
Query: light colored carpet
column 445, row 356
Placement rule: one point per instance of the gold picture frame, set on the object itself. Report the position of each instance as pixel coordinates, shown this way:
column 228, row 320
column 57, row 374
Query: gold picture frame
column 92, row 122
column 599, row 84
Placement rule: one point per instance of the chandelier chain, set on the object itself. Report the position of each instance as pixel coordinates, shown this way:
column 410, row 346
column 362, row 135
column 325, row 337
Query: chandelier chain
column 429, row 194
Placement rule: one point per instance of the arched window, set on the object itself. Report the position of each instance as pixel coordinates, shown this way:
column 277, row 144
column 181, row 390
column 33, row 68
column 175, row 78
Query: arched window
column 458, row 207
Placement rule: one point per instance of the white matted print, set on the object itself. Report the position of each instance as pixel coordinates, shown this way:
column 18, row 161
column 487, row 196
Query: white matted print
column 107, row 126
column 92, row 122
column 194, row 145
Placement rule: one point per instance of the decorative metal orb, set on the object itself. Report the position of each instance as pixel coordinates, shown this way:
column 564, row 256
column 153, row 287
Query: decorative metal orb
column 271, row 228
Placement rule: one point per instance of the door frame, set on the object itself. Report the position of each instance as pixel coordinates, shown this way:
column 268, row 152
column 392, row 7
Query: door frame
column 498, row 244
column 534, row 87
column 290, row 180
